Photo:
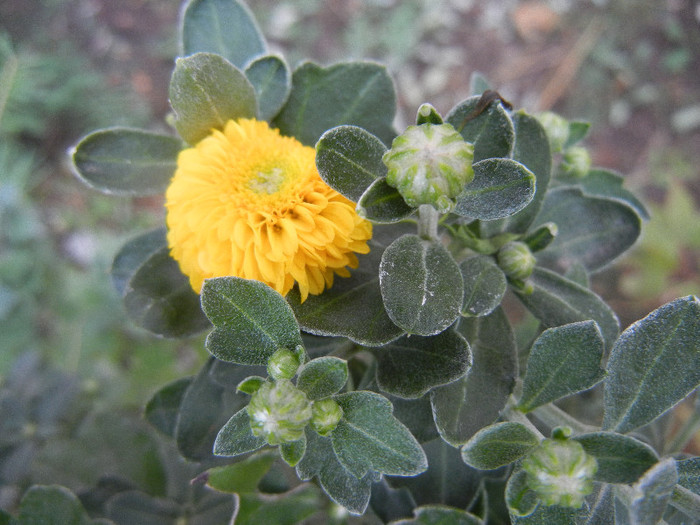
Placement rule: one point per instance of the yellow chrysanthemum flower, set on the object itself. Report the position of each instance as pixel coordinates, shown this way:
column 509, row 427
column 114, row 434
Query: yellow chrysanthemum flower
column 249, row 202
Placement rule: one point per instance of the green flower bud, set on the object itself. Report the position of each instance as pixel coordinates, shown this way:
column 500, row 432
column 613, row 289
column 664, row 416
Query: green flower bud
column 560, row 472
column 429, row 164
column 283, row 364
column 557, row 129
column 326, row 414
column 279, row 412
column 576, row 162
column 516, row 260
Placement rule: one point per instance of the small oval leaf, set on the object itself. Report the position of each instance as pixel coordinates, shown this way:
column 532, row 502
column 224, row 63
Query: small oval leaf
column 383, row 204
column 462, row 408
column 411, row 366
column 224, row 27
column 491, row 131
column 323, row 377
column 205, row 92
column 654, row 365
column 556, row 301
column 562, row 361
column 532, row 150
column 370, row 438
column 501, row 187
column 349, row 159
column 251, row 320
column 591, row 231
column 357, row 93
column 421, row 285
column 123, row 161
column 498, row 445
column 621, row 459
column 159, row 298
column 236, row 437
column 484, row 285
column 271, row 79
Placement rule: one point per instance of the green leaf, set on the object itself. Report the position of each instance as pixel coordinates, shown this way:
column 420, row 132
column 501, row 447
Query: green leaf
column 382, row 203
column 653, row 493
column 163, row 408
column 236, row 437
column 689, row 474
column 224, row 27
column 563, row 360
column 370, row 438
column 243, row 476
column 438, row 514
column 484, row 285
column 323, row 377
column 654, row 364
column 552, row 515
column 352, row 308
column 411, row 366
column 157, row 296
column 521, row 500
column 271, row 78
column 199, row 415
column 448, row 480
column 499, row 445
column 133, row 254
column 608, row 185
column 577, row 132
column 251, row 320
column 462, row 408
column 336, row 481
column 349, row 159
column 205, row 92
column 532, row 150
column 592, row 231
column 357, row 93
column 421, row 285
column 501, row 187
column 51, row 505
column 491, row 132
column 293, row 452
column 557, row 301
column 621, row 459
column 288, row 508
column 123, row 161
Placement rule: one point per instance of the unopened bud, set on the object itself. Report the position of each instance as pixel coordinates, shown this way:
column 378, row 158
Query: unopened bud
column 560, row 472
column 283, row 364
column 279, row 412
column 576, row 162
column 516, row 260
column 557, row 129
column 429, row 164
column 326, row 414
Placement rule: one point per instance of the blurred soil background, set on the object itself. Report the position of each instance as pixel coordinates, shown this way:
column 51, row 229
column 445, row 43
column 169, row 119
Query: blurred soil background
column 630, row 67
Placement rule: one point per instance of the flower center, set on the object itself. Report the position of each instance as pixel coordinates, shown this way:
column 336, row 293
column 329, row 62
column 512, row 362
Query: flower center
column 268, row 182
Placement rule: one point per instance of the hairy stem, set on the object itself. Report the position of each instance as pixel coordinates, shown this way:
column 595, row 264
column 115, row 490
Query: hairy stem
column 427, row 222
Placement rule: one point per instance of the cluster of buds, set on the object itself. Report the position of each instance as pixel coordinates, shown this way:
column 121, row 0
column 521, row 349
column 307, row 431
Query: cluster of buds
column 576, row 161
column 430, row 163
column 279, row 411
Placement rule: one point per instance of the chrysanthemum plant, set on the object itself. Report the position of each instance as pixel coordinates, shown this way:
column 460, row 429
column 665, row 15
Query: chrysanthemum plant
column 360, row 288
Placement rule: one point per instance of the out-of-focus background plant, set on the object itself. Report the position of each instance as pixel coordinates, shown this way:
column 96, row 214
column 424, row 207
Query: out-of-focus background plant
column 69, row 66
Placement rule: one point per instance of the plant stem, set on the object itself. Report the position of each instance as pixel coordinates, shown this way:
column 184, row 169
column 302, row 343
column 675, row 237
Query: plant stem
column 553, row 416
column 427, row 222
column 513, row 414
